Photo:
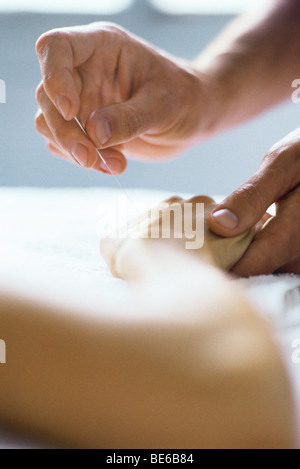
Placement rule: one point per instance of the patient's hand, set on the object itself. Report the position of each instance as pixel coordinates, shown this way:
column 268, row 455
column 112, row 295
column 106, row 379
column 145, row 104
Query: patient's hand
column 181, row 222
column 131, row 97
column 276, row 248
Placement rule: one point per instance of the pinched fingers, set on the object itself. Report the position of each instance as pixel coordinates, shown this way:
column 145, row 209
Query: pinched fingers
column 41, row 126
column 67, row 140
column 112, row 156
column 66, row 134
column 278, row 175
column 56, row 57
column 276, row 247
column 43, row 129
column 98, row 166
column 56, row 151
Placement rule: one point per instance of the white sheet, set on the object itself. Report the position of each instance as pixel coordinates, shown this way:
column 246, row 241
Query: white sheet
column 49, row 247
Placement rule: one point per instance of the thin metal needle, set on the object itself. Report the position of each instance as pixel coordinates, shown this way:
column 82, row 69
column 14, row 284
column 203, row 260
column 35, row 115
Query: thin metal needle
column 98, row 151
column 106, row 165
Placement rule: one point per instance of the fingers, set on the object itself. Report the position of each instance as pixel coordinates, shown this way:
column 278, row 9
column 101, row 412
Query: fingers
column 290, row 268
column 110, row 158
column 265, row 255
column 245, row 207
column 116, row 162
column 57, row 71
column 66, row 82
column 122, row 122
column 278, row 175
column 70, row 139
column 56, row 151
column 41, row 126
column 43, row 129
column 66, row 135
column 277, row 247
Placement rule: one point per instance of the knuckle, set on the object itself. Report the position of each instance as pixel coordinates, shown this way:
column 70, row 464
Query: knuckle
column 131, row 121
column 40, row 93
column 46, row 40
column 60, row 136
column 277, row 157
column 43, row 42
column 50, row 146
column 111, row 35
column 113, row 28
column 40, row 43
column 54, row 149
column 39, row 123
column 284, row 159
column 253, row 198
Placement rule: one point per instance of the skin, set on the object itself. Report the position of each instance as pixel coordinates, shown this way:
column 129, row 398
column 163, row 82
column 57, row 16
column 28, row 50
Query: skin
column 278, row 180
column 174, row 371
column 118, row 97
column 105, row 76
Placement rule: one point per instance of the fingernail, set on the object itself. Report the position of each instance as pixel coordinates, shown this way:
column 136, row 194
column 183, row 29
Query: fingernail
column 226, row 218
column 80, row 154
column 63, row 105
column 103, row 131
column 112, row 163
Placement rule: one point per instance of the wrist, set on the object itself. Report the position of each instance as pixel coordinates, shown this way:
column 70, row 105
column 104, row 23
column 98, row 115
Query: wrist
column 209, row 104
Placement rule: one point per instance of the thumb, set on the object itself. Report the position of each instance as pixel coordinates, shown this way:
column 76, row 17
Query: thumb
column 121, row 122
column 248, row 204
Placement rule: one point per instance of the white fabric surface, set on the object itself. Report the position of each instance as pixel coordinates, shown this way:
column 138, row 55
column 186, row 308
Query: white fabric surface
column 49, row 248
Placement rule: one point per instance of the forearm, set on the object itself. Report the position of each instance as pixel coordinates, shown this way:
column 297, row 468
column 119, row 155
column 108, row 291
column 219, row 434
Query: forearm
column 251, row 65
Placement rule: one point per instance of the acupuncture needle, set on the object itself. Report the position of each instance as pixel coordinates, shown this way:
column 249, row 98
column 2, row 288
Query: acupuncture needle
column 107, row 166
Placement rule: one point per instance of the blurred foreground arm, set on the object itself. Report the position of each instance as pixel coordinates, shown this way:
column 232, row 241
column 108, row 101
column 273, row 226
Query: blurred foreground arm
column 188, row 364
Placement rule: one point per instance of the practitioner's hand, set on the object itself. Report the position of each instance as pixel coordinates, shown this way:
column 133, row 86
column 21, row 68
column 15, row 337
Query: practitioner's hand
column 133, row 99
column 276, row 247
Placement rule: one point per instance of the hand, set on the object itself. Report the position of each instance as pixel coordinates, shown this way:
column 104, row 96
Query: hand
column 181, row 223
column 276, row 247
column 131, row 98
column 175, row 221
